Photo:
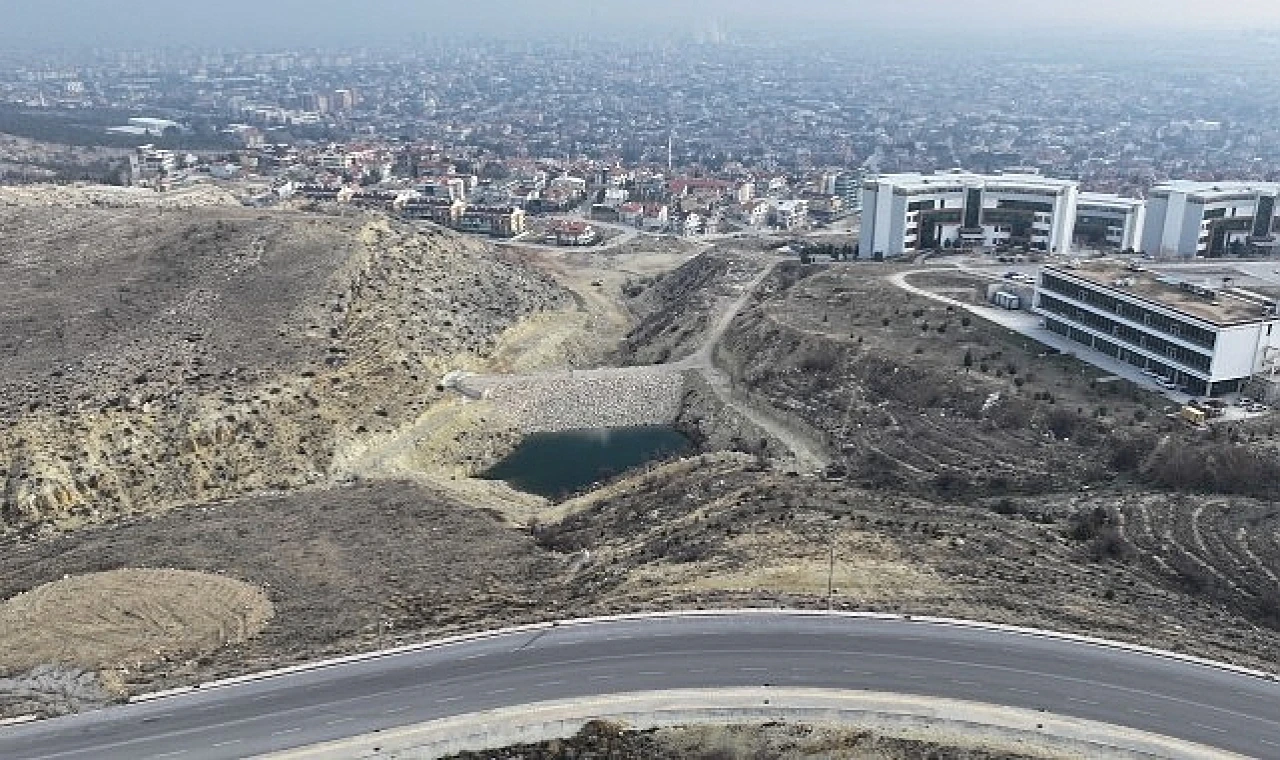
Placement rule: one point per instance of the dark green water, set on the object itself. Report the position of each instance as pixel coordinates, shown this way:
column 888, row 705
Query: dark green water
column 557, row 464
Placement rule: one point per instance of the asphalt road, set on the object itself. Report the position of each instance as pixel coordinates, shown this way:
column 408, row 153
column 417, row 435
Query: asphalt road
column 1161, row 695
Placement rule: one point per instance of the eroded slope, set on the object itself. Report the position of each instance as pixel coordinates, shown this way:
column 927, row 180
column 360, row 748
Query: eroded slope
column 160, row 358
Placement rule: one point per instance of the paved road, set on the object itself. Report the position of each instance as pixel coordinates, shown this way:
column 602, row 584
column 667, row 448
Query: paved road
column 1165, row 696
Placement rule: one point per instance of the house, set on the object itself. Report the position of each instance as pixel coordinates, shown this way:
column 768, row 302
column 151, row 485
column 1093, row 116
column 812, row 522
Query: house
column 571, row 232
column 631, row 213
column 655, row 217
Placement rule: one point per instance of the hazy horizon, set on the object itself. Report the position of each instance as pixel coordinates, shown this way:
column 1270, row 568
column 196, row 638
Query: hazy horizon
column 231, row 23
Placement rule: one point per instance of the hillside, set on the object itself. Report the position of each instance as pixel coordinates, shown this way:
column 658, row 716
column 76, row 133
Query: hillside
column 157, row 357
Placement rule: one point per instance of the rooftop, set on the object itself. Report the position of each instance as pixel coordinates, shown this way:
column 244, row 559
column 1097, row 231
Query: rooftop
column 1220, row 296
column 1211, row 189
column 957, row 178
column 1110, row 201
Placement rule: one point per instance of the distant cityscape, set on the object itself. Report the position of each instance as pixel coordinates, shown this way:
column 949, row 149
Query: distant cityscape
column 680, row 137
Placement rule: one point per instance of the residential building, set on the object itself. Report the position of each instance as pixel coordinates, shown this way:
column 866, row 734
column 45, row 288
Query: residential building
column 1109, row 221
column 571, row 232
column 631, row 213
column 791, row 214
column 1186, row 219
column 499, row 221
column 614, row 197
column 655, row 217
column 442, row 211
column 905, row 213
column 1204, row 335
column 848, row 186
column 692, row 224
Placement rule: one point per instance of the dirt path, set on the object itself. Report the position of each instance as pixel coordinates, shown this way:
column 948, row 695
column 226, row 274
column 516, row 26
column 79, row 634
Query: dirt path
column 806, row 455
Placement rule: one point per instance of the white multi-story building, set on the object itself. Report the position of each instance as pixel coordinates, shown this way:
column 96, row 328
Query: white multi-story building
column 1186, row 219
column 1205, row 335
column 1109, row 221
column 904, row 213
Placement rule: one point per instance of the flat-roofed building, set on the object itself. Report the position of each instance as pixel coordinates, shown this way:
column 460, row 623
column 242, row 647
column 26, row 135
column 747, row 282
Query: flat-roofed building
column 907, row 213
column 1200, row 332
column 1109, row 221
column 1186, row 219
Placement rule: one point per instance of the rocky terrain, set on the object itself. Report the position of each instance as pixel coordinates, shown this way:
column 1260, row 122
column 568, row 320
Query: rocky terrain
column 177, row 357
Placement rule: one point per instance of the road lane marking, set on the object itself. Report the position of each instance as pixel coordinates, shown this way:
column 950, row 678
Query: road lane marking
column 601, row 678
column 284, row 731
column 1082, row 701
column 651, row 673
column 336, row 721
column 1136, row 711
column 500, row 691
column 395, row 710
column 227, row 743
column 448, row 699
column 1209, row 728
column 551, row 683
column 1022, row 691
column 175, row 753
column 754, row 670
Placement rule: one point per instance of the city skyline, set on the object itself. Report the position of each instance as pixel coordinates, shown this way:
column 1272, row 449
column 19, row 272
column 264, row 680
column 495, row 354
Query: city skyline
column 126, row 23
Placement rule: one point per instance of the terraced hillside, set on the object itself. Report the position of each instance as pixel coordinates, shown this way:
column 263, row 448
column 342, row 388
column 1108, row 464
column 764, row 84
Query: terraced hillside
column 172, row 357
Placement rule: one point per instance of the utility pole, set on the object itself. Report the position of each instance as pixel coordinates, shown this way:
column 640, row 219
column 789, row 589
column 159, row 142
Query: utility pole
column 831, row 570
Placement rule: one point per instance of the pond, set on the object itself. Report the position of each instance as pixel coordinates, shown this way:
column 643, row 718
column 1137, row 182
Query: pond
column 556, row 465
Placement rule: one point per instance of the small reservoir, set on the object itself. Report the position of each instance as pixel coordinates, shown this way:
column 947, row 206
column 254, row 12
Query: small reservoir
column 555, row 465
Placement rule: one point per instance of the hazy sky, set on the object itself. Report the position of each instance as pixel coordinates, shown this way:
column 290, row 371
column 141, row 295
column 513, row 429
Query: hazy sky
column 266, row 23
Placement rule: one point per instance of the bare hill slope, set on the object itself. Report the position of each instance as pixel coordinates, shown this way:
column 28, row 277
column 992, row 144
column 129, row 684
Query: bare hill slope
column 155, row 357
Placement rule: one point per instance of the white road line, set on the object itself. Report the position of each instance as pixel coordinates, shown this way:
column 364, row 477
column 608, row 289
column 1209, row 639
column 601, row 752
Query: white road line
column 175, row 753
column 1136, row 711
column 336, row 721
column 551, row 683
column 754, row 670
column 284, row 731
column 1269, row 744
column 651, row 673
column 1082, row 701
column 500, row 691
column 1015, row 689
column 395, row 710
column 1209, row 728
column 601, row 678
column 227, row 743
column 447, row 699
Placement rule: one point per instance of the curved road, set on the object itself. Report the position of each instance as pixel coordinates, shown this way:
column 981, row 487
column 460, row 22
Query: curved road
column 1197, row 703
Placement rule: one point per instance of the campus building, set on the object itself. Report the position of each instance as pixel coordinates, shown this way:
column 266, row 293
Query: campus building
column 1210, row 218
column 1109, row 221
column 906, row 213
column 1205, row 335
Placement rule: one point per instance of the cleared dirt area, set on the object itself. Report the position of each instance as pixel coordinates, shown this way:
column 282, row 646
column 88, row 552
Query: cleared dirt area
column 127, row 618
column 773, row 741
